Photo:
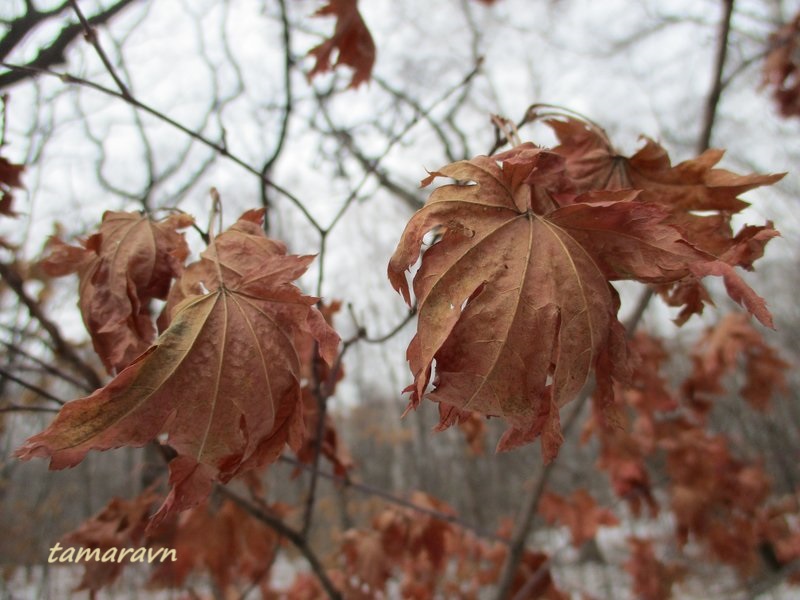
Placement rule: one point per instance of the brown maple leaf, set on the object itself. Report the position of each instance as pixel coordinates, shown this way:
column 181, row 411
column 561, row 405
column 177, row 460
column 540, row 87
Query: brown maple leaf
column 120, row 524
column 10, row 177
column 579, row 512
column 718, row 353
column 130, row 261
column 226, row 541
column 782, row 68
column 652, row 579
column 222, row 380
column 686, row 189
column 515, row 306
column 351, row 39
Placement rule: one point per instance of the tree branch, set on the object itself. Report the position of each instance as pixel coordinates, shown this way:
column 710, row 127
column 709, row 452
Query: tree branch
column 61, row 347
column 298, row 540
column 54, row 54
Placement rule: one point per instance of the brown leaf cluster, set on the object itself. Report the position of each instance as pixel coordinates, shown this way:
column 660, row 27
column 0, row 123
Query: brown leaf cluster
column 332, row 446
column 652, row 579
column 120, row 524
column 222, row 542
column 225, row 542
column 579, row 512
column 10, row 178
column 514, row 298
column 699, row 197
column 782, row 68
column 427, row 557
column 222, row 380
column 715, row 497
column 733, row 343
column 351, row 41
column 128, row 262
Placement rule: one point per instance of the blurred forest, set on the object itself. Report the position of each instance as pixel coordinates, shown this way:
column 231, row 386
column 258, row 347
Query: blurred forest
column 162, row 101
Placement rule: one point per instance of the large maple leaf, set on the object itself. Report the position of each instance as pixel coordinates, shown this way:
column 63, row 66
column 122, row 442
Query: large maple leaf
column 222, row 380
column 515, row 306
column 130, row 261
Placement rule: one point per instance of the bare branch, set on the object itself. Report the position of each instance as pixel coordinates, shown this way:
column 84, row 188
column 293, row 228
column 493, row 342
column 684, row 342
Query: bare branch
column 60, row 346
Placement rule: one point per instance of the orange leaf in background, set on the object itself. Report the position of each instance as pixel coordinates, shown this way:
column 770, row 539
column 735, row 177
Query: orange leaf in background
column 10, row 177
column 515, row 306
column 782, row 68
column 715, row 497
column 579, row 512
column 351, row 39
column 718, row 353
column 333, row 447
column 120, row 524
column 130, row 261
column 472, row 424
column 652, row 579
column 226, row 542
column 222, row 380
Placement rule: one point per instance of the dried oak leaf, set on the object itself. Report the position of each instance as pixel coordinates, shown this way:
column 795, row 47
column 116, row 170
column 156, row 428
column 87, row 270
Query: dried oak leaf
column 222, row 380
column 782, row 68
column 515, row 305
column 579, row 512
column 351, row 39
column 130, row 261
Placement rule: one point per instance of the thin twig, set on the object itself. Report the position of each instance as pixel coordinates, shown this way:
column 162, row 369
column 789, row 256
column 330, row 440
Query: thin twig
column 48, row 367
column 288, row 108
column 714, row 95
column 18, row 408
column 60, row 346
column 91, row 36
column 216, row 146
column 32, row 387
column 298, row 540
column 377, row 492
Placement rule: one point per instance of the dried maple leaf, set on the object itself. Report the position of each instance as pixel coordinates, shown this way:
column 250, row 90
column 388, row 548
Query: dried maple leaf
column 686, row 189
column 222, row 380
column 515, row 306
column 227, row 542
column 10, row 177
column 652, row 579
column 782, row 68
column 351, row 39
column 715, row 497
column 718, row 353
column 130, row 261
column 332, row 446
column 120, row 524
column 579, row 512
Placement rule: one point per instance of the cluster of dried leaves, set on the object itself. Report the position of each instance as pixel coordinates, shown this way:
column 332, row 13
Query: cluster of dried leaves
column 528, row 244
column 223, row 379
column 717, row 499
column 426, row 556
